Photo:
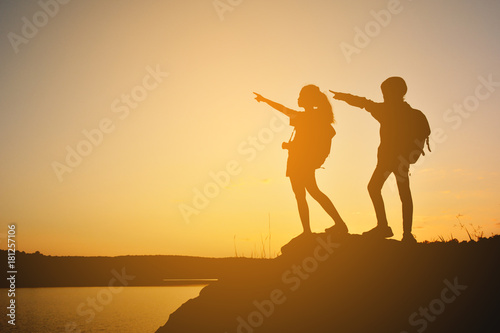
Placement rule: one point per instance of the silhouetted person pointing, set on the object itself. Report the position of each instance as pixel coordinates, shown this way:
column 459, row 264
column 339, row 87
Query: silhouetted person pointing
column 403, row 131
column 308, row 150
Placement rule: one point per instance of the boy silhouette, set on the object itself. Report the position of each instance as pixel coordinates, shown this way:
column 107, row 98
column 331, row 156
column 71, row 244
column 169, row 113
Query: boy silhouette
column 394, row 116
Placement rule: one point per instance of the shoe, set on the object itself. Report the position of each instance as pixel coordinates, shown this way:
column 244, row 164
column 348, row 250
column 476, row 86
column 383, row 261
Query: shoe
column 338, row 230
column 379, row 232
column 408, row 238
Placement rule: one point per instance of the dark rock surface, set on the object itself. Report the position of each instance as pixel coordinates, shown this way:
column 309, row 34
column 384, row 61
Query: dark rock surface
column 355, row 285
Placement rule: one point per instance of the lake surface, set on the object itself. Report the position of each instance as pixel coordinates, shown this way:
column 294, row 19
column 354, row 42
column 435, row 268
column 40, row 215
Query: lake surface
column 94, row 309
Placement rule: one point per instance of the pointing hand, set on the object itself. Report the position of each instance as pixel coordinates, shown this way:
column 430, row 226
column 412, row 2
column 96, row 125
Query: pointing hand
column 258, row 97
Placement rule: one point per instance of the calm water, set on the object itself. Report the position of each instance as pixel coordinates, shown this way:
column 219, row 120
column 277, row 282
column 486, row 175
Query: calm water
column 130, row 309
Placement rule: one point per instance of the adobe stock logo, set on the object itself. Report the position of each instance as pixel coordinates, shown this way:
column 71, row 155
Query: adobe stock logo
column 292, row 278
column 223, row 6
column 48, row 9
column 425, row 315
column 122, row 106
column 248, row 149
column 372, row 29
column 102, row 298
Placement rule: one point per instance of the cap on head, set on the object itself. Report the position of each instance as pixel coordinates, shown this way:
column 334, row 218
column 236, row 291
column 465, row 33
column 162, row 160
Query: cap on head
column 394, row 87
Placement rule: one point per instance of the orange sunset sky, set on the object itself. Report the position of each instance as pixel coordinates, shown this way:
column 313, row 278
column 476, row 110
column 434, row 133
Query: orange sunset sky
column 164, row 91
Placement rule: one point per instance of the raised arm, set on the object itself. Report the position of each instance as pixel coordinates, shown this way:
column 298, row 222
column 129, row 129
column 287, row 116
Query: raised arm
column 356, row 101
column 281, row 108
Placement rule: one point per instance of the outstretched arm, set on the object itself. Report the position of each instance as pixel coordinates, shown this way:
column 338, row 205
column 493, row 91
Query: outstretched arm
column 357, row 101
column 281, row 108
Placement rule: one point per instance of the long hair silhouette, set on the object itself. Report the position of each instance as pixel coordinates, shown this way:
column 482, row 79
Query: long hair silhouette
column 308, row 150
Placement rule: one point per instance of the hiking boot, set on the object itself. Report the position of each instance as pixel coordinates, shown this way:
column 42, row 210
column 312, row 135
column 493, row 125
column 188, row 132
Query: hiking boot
column 379, row 232
column 338, row 230
column 408, row 238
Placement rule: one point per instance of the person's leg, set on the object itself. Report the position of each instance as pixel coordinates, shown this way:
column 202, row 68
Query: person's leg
column 375, row 190
column 299, row 190
column 325, row 202
column 403, row 182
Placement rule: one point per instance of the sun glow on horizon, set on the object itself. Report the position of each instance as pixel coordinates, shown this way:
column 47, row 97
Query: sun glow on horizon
column 148, row 108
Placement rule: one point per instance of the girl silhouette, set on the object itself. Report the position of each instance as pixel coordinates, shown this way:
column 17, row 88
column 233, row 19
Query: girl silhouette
column 308, row 150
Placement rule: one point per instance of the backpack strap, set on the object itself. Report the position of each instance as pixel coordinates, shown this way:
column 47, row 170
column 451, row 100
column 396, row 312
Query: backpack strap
column 292, row 135
column 428, row 147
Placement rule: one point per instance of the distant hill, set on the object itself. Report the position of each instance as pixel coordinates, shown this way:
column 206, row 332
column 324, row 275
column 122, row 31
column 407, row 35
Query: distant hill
column 38, row 270
column 358, row 285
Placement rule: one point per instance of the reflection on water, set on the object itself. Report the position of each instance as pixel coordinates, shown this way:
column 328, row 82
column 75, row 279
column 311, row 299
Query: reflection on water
column 95, row 309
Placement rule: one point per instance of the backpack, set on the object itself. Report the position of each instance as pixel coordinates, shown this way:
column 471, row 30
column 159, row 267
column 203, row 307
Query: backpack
column 318, row 145
column 417, row 135
column 323, row 144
